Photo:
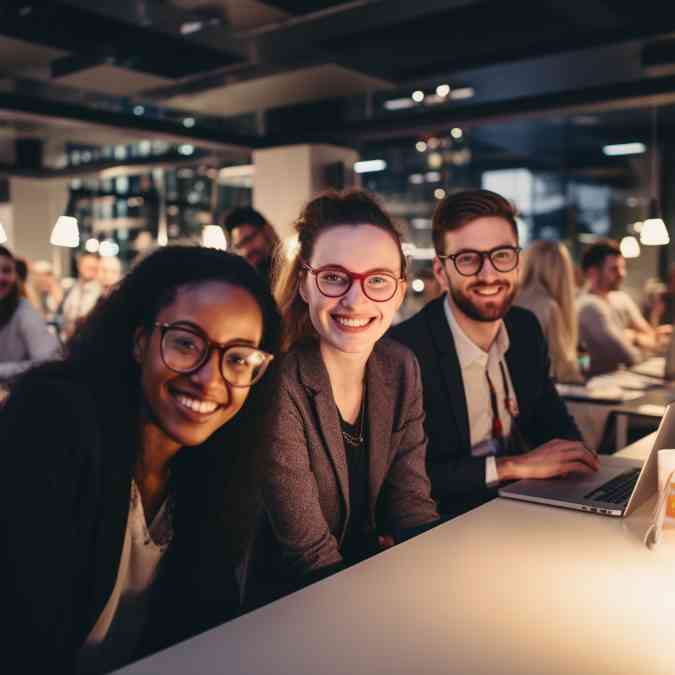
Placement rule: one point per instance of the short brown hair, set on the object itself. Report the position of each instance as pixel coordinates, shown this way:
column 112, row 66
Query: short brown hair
column 459, row 209
column 329, row 209
column 595, row 254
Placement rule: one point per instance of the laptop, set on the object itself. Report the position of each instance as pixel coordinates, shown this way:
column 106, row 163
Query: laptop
column 618, row 487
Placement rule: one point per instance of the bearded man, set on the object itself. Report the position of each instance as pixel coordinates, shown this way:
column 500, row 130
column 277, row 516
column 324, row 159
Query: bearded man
column 492, row 411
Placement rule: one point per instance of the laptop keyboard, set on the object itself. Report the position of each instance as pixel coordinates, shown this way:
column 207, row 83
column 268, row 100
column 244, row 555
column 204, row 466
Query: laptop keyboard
column 617, row 490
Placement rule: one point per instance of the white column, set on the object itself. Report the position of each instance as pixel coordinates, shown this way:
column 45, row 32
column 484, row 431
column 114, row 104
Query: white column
column 36, row 204
column 287, row 177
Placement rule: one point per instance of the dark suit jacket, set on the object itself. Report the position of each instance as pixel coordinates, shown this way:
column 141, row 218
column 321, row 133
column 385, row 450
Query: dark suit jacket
column 64, row 501
column 457, row 478
column 305, row 483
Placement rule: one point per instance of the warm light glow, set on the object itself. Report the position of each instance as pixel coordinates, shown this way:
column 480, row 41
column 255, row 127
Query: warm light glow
column 398, row 104
column 443, row 90
column 214, row 237
column 91, row 245
column 439, row 193
column 637, row 226
column 292, row 246
column 654, row 232
column 418, row 96
column 630, row 247
column 108, row 248
column 457, row 133
column 462, row 93
column 65, row 232
column 3, row 234
column 370, row 166
column 420, row 146
column 417, row 285
column 619, row 149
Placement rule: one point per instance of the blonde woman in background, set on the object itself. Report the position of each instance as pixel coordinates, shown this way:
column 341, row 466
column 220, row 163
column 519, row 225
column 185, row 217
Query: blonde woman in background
column 547, row 289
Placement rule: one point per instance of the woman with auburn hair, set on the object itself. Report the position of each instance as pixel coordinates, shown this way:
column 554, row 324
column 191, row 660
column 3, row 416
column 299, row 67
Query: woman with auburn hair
column 129, row 497
column 547, row 289
column 344, row 469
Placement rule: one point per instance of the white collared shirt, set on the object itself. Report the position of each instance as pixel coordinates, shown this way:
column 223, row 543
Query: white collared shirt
column 474, row 362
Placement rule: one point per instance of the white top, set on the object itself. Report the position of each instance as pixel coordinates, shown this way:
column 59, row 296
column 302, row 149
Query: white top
column 474, row 362
column 114, row 638
column 509, row 588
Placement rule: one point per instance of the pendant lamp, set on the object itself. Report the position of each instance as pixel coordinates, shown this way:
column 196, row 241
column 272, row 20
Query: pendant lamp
column 214, row 237
column 65, row 232
column 654, row 231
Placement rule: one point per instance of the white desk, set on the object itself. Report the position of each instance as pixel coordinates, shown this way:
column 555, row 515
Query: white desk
column 507, row 588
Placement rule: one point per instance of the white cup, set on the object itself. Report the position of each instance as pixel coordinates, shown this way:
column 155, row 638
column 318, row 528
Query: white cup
column 666, row 463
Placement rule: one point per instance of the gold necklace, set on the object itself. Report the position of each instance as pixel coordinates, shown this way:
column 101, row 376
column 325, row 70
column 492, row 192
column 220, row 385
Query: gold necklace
column 351, row 439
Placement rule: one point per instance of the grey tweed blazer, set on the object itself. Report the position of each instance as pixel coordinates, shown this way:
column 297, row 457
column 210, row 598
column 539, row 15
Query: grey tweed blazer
column 305, row 481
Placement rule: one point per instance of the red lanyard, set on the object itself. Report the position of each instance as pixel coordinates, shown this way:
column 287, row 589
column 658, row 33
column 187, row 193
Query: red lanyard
column 497, row 426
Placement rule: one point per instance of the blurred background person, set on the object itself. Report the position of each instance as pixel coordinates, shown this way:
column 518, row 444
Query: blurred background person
column 653, row 306
column 24, row 338
column 610, row 323
column 253, row 237
column 47, row 289
column 109, row 273
column 25, row 288
column 83, row 294
column 548, row 290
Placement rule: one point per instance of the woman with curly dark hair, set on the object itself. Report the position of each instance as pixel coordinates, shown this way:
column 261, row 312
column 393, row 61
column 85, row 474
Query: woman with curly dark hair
column 128, row 496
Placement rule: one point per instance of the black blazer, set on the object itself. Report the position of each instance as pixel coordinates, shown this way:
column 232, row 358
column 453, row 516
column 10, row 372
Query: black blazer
column 64, row 500
column 457, row 478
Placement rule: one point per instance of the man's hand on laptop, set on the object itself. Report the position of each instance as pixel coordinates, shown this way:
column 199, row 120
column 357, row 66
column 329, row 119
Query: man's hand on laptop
column 556, row 458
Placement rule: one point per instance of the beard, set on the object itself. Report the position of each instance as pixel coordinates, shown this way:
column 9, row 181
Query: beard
column 489, row 310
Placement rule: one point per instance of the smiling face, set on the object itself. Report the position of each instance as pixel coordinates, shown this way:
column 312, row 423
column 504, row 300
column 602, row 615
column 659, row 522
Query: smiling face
column 7, row 276
column 184, row 410
column 485, row 296
column 352, row 323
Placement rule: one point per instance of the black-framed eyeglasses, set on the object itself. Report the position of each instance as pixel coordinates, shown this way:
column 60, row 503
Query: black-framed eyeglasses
column 185, row 348
column 469, row 262
column 334, row 281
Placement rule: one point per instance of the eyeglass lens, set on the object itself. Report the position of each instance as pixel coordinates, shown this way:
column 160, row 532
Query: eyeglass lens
column 502, row 259
column 184, row 352
column 377, row 286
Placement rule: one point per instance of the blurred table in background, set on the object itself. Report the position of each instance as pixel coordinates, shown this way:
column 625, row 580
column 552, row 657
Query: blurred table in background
column 609, row 407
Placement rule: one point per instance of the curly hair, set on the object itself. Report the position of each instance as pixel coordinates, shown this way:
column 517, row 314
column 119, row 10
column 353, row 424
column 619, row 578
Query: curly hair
column 100, row 354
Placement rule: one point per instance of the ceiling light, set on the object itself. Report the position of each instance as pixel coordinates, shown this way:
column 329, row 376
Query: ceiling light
column 186, row 149
column 433, row 176
column 439, row 193
column 189, row 122
column 66, row 232
column 370, row 166
column 457, row 133
column 461, row 93
column 416, row 178
column 630, row 247
column 3, row 234
column 108, row 248
column 420, row 146
column 214, row 237
column 91, row 245
column 398, row 104
column 191, row 27
column 619, row 149
column 443, row 90
column 139, row 110
column 654, row 232
column 418, row 96
column 418, row 285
